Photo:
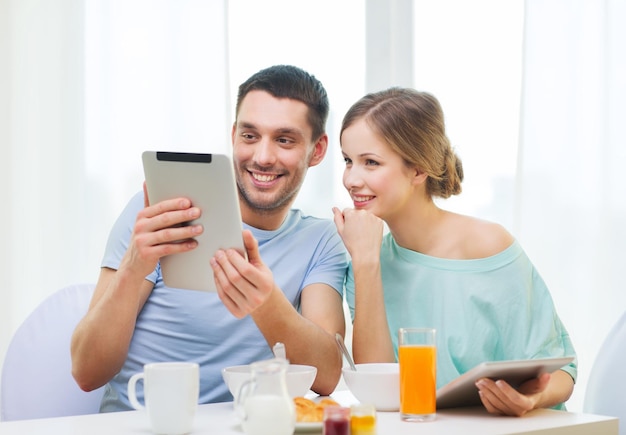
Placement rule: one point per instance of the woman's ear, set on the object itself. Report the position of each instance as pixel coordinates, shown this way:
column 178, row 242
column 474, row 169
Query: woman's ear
column 419, row 176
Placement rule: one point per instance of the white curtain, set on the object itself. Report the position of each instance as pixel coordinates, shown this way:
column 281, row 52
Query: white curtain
column 571, row 206
column 85, row 87
column 43, row 224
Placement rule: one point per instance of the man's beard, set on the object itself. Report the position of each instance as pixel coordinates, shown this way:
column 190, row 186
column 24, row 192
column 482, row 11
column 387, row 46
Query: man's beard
column 281, row 200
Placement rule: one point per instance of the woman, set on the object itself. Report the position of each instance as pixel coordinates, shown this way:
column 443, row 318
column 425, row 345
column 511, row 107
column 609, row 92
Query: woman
column 468, row 278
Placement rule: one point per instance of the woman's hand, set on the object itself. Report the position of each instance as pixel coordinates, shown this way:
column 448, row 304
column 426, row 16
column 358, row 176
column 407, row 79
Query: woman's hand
column 500, row 398
column 360, row 230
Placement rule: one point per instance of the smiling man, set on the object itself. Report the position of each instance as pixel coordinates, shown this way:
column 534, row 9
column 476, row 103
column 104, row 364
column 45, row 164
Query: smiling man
column 288, row 290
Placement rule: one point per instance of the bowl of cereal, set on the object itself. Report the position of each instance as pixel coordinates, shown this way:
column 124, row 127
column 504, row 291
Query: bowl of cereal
column 299, row 378
column 375, row 383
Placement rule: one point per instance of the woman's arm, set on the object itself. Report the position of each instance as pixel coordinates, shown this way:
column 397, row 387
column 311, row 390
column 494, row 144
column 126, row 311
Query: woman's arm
column 547, row 390
column 362, row 232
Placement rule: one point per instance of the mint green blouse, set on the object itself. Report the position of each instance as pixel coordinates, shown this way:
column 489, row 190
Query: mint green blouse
column 495, row 308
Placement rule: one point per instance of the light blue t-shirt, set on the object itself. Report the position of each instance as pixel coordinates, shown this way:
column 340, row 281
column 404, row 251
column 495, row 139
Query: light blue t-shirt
column 188, row 325
column 489, row 309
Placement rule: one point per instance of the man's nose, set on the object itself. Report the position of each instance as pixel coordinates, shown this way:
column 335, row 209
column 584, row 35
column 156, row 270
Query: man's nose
column 265, row 153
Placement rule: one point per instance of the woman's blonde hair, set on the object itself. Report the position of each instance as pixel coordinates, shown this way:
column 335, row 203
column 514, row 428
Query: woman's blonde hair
column 412, row 124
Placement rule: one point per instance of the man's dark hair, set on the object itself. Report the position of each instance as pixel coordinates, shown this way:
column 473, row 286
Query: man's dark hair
column 286, row 81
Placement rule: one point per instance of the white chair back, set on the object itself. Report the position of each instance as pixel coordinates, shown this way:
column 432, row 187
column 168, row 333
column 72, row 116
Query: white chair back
column 36, row 375
column 606, row 389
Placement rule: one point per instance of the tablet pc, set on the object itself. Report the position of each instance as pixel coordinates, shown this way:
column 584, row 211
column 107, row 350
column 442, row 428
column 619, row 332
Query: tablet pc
column 462, row 391
column 208, row 180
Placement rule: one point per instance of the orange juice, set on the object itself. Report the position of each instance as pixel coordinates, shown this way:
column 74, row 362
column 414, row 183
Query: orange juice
column 362, row 419
column 417, row 379
column 363, row 425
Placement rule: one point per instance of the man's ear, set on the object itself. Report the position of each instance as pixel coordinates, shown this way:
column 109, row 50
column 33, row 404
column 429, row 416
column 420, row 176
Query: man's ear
column 319, row 150
column 232, row 133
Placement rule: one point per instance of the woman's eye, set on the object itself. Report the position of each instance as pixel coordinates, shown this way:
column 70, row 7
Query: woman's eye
column 370, row 162
column 347, row 160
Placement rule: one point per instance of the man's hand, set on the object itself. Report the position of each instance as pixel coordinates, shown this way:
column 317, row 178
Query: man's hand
column 242, row 285
column 157, row 233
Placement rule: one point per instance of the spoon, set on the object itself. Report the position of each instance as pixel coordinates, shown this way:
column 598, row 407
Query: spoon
column 344, row 351
column 279, row 350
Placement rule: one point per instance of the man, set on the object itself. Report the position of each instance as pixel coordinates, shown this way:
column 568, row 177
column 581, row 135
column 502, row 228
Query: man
column 289, row 289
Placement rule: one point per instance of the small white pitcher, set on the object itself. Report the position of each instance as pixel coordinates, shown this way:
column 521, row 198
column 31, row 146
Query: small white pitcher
column 263, row 402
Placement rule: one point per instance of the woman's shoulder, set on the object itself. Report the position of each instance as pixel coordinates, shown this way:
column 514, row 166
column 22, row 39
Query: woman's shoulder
column 478, row 238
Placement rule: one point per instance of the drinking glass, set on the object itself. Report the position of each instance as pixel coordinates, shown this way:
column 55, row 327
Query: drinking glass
column 418, row 368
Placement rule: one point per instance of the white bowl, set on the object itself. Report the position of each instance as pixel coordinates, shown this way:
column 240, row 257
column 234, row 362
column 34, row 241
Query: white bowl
column 299, row 378
column 375, row 383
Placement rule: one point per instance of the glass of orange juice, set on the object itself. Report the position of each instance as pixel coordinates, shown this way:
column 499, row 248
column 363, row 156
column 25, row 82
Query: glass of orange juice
column 418, row 374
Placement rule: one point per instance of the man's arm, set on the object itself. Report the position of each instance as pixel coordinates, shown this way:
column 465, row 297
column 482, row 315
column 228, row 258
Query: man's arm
column 101, row 339
column 309, row 338
column 248, row 287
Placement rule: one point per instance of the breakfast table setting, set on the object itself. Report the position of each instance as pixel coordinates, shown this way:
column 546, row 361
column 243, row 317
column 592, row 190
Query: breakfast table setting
column 221, row 418
column 273, row 397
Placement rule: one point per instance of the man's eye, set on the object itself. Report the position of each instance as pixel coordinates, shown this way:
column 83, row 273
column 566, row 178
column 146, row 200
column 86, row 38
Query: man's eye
column 284, row 140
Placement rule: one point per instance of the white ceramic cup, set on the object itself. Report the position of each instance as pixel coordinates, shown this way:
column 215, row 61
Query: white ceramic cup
column 170, row 393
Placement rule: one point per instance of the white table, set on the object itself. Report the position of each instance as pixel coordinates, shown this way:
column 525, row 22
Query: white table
column 219, row 418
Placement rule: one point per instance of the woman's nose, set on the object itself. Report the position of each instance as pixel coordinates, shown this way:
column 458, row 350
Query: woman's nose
column 351, row 179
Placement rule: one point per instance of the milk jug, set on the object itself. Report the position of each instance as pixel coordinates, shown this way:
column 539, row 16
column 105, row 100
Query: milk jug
column 263, row 402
